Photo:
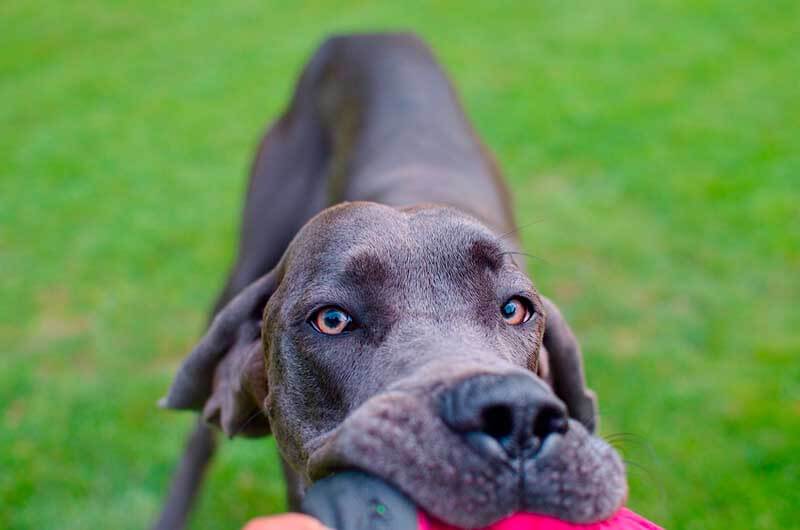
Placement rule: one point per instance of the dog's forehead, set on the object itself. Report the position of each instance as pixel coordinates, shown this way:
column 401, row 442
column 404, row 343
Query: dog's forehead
column 353, row 235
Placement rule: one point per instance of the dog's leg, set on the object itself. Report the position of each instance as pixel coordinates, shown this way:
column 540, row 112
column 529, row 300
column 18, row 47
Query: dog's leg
column 186, row 482
column 288, row 185
column 294, row 487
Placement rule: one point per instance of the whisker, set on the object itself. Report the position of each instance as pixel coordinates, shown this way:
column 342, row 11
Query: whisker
column 249, row 420
column 626, row 436
column 624, row 433
column 637, row 465
column 620, row 440
column 616, row 445
column 629, row 438
column 514, row 253
column 652, row 477
column 519, row 228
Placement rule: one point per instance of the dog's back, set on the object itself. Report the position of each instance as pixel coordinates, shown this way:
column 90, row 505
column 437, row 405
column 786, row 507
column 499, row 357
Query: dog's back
column 373, row 117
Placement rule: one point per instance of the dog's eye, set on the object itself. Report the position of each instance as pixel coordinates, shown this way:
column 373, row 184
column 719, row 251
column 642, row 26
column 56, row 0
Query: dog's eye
column 331, row 320
column 516, row 311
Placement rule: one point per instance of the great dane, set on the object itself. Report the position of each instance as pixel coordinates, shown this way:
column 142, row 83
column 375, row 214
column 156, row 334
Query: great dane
column 379, row 316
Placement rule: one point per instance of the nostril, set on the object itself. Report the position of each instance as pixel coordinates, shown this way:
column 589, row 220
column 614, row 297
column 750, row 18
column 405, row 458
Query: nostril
column 550, row 420
column 498, row 421
column 503, row 417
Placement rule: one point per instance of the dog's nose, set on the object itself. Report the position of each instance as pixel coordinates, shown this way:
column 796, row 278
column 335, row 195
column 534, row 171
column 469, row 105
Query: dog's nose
column 514, row 412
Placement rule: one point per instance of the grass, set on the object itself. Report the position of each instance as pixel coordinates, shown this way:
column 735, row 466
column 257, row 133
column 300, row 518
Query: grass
column 654, row 155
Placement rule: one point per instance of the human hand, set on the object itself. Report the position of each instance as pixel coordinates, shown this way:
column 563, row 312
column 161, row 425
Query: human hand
column 286, row 521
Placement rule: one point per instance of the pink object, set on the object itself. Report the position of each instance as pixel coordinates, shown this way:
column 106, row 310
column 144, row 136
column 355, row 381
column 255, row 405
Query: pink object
column 624, row 519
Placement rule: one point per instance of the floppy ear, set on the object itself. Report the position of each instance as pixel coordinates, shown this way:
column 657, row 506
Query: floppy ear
column 561, row 364
column 224, row 375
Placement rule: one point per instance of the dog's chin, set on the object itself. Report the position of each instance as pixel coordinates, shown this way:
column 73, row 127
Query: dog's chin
column 575, row 477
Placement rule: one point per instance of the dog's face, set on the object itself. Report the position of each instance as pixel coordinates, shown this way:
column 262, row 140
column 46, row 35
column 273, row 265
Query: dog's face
column 402, row 342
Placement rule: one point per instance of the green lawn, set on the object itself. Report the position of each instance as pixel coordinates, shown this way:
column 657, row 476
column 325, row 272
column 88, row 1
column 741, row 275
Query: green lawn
column 654, row 155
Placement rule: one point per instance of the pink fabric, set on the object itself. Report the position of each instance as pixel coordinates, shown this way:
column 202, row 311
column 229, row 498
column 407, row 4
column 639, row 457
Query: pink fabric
column 624, row 519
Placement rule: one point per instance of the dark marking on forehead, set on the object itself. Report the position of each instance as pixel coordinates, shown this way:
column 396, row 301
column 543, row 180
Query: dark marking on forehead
column 487, row 252
column 366, row 267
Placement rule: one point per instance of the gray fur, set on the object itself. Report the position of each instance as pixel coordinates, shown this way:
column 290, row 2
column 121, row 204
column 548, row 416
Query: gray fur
column 417, row 246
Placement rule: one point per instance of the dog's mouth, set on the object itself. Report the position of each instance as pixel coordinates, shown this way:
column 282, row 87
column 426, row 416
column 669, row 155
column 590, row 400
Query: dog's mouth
column 573, row 476
column 353, row 498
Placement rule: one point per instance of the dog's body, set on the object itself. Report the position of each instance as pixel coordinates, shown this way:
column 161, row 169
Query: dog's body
column 421, row 257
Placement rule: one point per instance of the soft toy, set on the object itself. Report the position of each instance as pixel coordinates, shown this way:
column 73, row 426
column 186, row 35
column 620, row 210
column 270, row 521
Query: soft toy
column 624, row 519
column 352, row 500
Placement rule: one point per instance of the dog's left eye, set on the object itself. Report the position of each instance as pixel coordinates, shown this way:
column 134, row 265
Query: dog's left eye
column 516, row 311
column 331, row 320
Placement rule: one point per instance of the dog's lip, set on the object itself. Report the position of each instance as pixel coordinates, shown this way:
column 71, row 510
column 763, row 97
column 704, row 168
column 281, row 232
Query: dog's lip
column 327, row 466
column 328, row 458
column 322, row 460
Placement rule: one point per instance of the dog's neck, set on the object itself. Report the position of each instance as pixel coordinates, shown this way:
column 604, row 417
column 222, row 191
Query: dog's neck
column 399, row 136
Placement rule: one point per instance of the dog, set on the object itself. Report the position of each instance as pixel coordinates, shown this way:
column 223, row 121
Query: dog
column 379, row 316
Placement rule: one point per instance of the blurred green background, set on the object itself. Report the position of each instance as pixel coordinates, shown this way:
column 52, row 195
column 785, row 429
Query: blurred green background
column 654, row 156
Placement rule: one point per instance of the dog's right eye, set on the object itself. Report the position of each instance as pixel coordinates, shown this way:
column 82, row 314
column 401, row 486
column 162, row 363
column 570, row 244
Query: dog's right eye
column 331, row 320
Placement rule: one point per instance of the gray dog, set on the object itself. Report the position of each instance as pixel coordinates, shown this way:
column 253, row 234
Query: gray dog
column 379, row 316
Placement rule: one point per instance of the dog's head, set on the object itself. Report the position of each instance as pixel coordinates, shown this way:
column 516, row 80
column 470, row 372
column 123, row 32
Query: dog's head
column 404, row 343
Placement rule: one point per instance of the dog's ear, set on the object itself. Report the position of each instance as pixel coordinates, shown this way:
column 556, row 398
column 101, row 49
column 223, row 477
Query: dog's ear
column 561, row 364
column 224, row 375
